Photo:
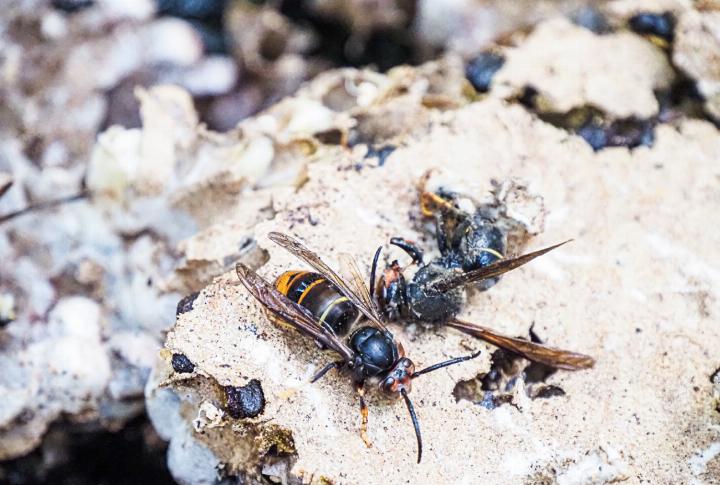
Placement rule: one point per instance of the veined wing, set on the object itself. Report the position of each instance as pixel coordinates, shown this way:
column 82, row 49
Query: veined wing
column 491, row 271
column 290, row 312
column 544, row 354
column 298, row 249
column 357, row 281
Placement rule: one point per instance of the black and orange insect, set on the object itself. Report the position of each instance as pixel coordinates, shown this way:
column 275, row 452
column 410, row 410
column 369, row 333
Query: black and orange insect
column 323, row 306
column 315, row 292
column 471, row 252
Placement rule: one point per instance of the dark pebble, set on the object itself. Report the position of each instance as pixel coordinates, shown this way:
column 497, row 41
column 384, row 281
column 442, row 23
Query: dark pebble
column 380, row 153
column 186, row 304
column 333, row 136
column 481, row 70
column 528, row 97
column 71, row 6
column 181, row 364
column 660, row 25
column 246, row 401
column 594, row 135
column 631, row 133
column 549, row 391
column 196, row 9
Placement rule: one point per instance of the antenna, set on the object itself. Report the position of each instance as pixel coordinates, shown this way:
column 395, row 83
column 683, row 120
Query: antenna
column 372, row 272
column 415, row 422
column 446, row 363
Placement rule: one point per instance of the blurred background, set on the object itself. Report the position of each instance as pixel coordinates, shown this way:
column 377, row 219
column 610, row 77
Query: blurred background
column 71, row 69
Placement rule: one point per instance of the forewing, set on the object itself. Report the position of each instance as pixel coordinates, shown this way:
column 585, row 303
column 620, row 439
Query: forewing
column 298, row 249
column 357, row 281
column 290, row 312
column 544, row 354
column 490, row 271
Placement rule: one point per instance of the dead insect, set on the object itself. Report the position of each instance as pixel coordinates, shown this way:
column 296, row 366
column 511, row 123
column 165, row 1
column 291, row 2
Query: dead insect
column 323, row 306
column 466, row 241
column 472, row 251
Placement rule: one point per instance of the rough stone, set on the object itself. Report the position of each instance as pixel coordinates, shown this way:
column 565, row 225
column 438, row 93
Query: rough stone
column 563, row 63
column 632, row 266
column 697, row 52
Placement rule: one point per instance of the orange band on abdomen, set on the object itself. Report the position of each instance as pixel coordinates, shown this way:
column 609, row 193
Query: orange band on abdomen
column 285, row 280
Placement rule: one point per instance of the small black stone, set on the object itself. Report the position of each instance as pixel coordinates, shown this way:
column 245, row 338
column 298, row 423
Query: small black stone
column 549, row 391
column 631, row 133
column 660, row 25
column 537, row 372
column 333, row 136
column 193, row 9
column 481, row 70
column 181, row 364
column 381, row 153
column 528, row 97
column 186, row 304
column 245, row 402
column 594, row 135
column 71, row 6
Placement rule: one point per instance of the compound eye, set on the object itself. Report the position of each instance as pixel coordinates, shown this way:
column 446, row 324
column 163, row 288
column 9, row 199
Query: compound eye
column 406, row 363
column 389, row 382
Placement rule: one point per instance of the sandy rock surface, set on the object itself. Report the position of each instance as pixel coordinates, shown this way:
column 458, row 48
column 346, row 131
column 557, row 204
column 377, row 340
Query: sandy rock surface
column 697, row 52
column 637, row 289
column 175, row 206
column 562, row 62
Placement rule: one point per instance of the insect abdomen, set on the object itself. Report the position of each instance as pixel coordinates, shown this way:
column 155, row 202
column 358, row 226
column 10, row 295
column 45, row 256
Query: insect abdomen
column 320, row 297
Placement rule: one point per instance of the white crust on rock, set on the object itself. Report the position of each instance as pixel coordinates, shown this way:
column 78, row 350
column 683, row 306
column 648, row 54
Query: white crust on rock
column 572, row 67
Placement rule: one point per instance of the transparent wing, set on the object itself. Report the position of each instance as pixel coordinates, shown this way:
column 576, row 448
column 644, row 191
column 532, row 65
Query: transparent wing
column 544, row 354
column 290, row 312
column 490, row 271
column 357, row 281
column 350, row 291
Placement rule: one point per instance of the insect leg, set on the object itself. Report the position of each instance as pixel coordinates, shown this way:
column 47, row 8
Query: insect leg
column 373, row 271
column 363, row 414
column 409, row 247
column 326, row 369
column 446, row 363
